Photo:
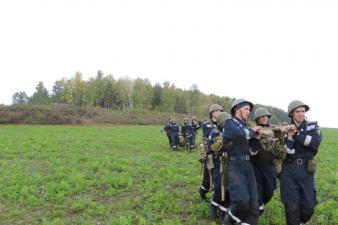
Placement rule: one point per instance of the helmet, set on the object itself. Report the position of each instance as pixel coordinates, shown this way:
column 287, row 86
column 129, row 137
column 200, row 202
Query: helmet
column 186, row 119
column 194, row 118
column 222, row 117
column 215, row 107
column 261, row 112
column 238, row 103
column 295, row 104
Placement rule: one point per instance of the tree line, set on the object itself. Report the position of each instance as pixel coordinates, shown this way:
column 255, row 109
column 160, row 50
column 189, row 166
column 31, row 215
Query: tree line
column 127, row 94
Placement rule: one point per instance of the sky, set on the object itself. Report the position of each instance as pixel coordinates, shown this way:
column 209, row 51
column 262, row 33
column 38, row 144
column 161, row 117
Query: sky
column 266, row 51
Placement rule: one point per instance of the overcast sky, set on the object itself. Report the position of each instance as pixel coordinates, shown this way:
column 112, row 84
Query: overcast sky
column 269, row 52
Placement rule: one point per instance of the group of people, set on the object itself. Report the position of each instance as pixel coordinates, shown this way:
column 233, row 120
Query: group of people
column 184, row 136
column 241, row 163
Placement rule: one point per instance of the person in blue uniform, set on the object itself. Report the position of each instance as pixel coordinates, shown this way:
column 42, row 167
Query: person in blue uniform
column 214, row 110
column 172, row 130
column 186, row 132
column 220, row 199
column 263, row 161
column 166, row 129
column 298, row 192
column 195, row 126
column 241, row 182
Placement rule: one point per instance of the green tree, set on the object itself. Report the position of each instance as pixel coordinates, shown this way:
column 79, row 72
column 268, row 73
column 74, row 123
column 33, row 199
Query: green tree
column 20, row 97
column 168, row 98
column 62, row 91
column 40, row 95
column 78, row 89
column 142, row 93
column 156, row 101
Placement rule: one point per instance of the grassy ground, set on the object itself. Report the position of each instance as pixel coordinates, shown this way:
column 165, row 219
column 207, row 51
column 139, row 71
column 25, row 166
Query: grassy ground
column 120, row 175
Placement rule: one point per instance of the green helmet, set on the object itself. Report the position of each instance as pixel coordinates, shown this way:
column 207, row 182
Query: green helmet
column 295, row 104
column 215, row 107
column 237, row 103
column 261, row 112
column 222, row 117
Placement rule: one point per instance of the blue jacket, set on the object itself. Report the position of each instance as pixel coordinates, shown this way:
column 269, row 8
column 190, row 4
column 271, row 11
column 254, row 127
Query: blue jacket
column 207, row 127
column 237, row 132
column 305, row 142
column 172, row 128
column 186, row 130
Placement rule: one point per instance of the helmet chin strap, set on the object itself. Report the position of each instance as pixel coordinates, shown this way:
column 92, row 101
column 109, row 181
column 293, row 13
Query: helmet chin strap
column 244, row 120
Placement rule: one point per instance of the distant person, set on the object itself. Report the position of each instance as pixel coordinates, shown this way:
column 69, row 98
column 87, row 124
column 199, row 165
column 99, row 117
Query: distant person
column 241, row 181
column 214, row 110
column 298, row 192
column 268, row 147
column 195, row 126
column 186, row 132
column 166, row 129
column 172, row 130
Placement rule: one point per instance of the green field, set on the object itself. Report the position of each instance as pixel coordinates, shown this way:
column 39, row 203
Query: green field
column 121, row 175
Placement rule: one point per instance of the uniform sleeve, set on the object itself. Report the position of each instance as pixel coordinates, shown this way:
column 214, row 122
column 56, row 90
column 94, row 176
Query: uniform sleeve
column 310, row 138
column 255, row 145
column 289, row 146
column 183, row 129
column 236, row 133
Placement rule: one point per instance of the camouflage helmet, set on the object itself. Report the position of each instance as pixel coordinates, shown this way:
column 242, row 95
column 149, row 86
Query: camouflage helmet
column 222, row 117
column 261, row 112
column 295, row 104
column 185, row 119
column 239, row 102
column 215, row 107
column 194, row 118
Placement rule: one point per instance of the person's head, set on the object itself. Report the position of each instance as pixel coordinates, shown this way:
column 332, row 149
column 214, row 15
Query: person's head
column 214, row 110
column 186, row 120
column 169, row 119
column 221, row 118
column 261, row 116
column 241, row 109
column 297, row 110
column 173, row 120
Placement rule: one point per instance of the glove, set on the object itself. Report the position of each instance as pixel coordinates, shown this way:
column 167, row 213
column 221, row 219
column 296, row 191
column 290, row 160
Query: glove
column 218, row 144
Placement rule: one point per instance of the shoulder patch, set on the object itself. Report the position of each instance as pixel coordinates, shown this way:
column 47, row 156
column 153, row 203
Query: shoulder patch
column 311, row 125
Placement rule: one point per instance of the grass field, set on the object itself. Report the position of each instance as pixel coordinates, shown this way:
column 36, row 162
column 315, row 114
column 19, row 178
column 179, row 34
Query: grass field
column 121, row 175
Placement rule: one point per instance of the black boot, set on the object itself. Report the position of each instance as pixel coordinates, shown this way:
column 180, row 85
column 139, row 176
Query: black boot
column 203, row 194
column 222, row 215
column 213, row 212
column 292, row 215
column 226, row 221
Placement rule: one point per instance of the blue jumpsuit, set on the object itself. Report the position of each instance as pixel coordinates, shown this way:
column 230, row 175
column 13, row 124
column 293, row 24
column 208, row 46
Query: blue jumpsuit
column 206, row 128
column 298, row 192
column 186, row 132
column 265, row 173
column 194, row 127
column 216, row 200
column 172, row 130
column 241, row 182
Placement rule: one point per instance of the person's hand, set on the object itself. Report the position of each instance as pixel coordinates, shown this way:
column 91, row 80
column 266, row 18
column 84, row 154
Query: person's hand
column 257, row 130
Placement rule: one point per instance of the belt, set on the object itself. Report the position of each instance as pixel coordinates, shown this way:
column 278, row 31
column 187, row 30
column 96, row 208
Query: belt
column 299, row 161
column 242, row 157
